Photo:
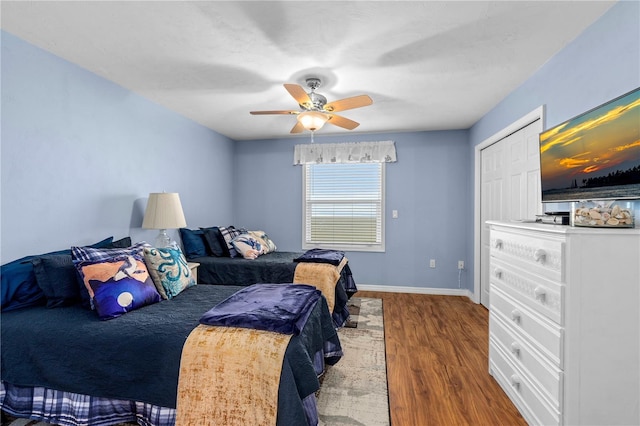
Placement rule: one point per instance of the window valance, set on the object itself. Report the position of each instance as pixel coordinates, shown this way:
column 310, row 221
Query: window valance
column 349, row 152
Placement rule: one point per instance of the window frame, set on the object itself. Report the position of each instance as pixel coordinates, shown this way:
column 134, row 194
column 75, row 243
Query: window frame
column 363, row 247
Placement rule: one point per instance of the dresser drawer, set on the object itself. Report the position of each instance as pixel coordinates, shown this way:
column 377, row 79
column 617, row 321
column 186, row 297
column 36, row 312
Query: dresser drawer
column 541, row 256
column 542, row 372
column 543, row 334
column 540, row 294
column 517, row 386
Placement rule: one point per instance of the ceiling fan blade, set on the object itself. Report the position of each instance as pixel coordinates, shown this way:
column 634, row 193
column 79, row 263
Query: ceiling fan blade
column 299, row 95
column 340, row 121
column 273, row 112
column 348, row 103
column 298, row 128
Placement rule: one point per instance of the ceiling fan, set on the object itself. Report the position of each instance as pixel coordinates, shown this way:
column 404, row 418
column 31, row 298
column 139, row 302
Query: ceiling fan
column 315, row 109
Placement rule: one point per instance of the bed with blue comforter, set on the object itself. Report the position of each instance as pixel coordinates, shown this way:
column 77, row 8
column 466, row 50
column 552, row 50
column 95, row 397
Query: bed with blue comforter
column 67, row 366
column 275, row 267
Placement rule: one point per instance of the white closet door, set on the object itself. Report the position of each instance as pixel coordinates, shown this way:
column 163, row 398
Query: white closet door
column 524, row 201
column 509, row 187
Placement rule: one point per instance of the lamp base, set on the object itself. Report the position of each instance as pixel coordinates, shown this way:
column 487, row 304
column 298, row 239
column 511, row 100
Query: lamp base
column 163, row 240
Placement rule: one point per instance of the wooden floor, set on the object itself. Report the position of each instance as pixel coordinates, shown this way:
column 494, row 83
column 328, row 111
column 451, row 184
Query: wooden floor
column 437, row 362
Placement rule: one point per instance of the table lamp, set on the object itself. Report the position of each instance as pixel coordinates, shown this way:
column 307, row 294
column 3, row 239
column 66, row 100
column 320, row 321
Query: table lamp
column 163, row 212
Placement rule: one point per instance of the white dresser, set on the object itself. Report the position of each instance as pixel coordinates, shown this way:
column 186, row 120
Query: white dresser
column 564, row 323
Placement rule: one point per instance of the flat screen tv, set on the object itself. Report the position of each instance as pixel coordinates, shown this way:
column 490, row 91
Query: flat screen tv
column 594, row 156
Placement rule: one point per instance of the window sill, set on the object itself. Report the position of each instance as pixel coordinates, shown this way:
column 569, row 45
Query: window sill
column 379, row 248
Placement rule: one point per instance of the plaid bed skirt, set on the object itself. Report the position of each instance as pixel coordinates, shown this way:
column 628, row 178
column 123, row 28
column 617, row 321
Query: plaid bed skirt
column 73, row 409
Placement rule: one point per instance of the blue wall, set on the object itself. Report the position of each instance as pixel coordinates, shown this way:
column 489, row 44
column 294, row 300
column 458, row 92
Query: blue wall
column 80, row 156
column 428, row 185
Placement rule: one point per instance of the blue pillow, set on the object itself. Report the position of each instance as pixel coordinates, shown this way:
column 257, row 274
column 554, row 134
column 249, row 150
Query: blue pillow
column 121, row 243
column 20, row 288
column 118, row 285
column 215, row 242
column 57, row 277
column 193, row 243
column 107, row 242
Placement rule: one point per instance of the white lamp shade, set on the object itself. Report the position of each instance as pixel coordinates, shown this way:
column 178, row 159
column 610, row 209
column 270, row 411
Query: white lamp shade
column 164, row 211
column 312, row 120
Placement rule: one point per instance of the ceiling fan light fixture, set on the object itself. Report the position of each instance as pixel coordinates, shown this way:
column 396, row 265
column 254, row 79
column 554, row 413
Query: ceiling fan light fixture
column 312, row 120
column 315, row 111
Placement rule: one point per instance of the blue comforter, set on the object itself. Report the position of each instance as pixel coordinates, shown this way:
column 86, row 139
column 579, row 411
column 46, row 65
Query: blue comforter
column 137, row 356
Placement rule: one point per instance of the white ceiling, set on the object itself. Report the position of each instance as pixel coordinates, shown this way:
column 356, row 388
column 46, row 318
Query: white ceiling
column 427, row 65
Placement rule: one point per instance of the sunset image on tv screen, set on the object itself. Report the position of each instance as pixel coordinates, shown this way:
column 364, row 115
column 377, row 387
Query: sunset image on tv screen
column 594, row 156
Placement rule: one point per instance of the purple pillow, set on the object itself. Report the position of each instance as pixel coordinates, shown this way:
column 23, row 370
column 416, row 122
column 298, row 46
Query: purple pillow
column 118, row 285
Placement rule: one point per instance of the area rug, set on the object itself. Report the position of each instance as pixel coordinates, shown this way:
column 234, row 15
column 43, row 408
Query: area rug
column 354, row 391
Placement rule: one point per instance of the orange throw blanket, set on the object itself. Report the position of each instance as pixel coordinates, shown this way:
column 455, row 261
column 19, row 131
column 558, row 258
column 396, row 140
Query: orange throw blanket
column 323, row 276
column 230, row 376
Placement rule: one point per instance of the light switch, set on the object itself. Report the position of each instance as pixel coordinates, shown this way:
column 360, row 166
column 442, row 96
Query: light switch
column 394, row 214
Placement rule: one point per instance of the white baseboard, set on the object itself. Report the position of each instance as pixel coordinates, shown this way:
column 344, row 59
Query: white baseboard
column 417, row 290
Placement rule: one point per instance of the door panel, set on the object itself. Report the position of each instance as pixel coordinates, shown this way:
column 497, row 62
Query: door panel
column 491, row 202
column 509, row 187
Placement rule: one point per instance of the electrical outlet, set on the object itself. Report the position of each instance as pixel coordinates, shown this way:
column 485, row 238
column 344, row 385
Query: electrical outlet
column 460, row 264
column 432, row 263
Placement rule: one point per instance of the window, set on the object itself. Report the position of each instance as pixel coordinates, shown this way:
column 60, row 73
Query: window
column 343, row 206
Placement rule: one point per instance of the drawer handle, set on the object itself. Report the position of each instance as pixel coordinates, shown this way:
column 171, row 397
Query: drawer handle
column 540, row 293
column 498, row 243
column 497, row 272
column 516, row 316
column 540, row 255
column 515, row 349
column 515, row 381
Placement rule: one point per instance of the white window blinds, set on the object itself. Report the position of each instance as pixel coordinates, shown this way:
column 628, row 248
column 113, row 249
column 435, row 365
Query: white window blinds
column 343, row 206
